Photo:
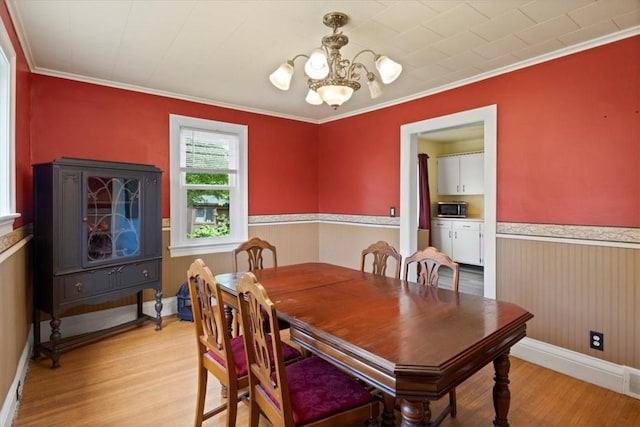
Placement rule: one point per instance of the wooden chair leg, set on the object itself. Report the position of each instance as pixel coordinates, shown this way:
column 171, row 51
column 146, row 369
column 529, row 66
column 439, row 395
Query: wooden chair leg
column 452, row 403
column 202, row 393
column 232, row 405
column 254, row 413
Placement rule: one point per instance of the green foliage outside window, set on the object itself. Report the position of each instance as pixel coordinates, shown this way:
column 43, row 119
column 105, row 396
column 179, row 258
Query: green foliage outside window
column 197, row 197
column 220, row 229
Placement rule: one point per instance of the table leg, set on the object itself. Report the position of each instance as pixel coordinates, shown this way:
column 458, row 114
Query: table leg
column 501, row 394
column 388, row 417
column 228, row 314
column 414, row 412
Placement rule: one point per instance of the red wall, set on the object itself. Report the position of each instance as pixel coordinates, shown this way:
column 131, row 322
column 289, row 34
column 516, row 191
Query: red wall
column 24, row 204
column 568, row 142
column 74, row 119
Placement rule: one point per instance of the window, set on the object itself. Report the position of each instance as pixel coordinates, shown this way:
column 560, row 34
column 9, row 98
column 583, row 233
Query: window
column 7, row 133
column 208, row 185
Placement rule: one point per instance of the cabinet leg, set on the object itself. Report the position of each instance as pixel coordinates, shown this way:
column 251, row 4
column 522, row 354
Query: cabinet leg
column 55, row 339
column 158, row 309
column 139, row 300
column 36, row 333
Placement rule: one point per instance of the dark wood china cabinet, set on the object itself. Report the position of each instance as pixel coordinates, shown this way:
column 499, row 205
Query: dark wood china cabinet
column 97, row 238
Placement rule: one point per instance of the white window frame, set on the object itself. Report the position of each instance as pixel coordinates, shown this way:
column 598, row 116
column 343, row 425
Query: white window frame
column 7, row 133
column 181, row 245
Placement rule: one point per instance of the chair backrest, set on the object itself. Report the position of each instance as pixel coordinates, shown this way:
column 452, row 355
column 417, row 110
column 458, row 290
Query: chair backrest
column 254, row 248
column 210, row 323
column 381, row 252
column 429, row 262
column 267, row 376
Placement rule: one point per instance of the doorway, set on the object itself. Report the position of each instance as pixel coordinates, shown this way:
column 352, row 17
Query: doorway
column 409, row 134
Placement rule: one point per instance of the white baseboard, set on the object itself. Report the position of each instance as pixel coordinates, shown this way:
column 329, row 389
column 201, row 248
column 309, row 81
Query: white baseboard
column 619, row 378
column 74, row 325
column 10, row 405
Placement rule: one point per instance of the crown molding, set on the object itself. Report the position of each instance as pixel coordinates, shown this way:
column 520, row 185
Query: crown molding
column 600, row 41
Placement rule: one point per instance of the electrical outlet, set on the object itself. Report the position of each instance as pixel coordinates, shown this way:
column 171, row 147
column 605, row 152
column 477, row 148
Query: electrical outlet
column 392, row 211
column 596, row 340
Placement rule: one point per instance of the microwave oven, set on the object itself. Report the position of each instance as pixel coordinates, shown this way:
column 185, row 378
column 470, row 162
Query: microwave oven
column 452, row 209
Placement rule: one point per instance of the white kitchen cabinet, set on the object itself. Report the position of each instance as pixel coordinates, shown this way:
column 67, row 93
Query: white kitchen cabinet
column 460, row 239
column 442, row 235
column 461, row 174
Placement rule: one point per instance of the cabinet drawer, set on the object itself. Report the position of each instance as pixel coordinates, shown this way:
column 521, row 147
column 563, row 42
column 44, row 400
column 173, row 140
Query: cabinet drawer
column 139, row 272
column 103, row 280
column 466, row 225
column 440, row 223
column 85, row 284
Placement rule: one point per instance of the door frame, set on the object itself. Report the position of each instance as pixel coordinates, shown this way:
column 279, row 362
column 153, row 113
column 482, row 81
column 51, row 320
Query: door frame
column 487, row 116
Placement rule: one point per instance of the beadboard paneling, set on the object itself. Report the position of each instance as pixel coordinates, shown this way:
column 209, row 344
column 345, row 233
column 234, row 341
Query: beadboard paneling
column 15, row 309
column 342, row 244
column 573, row 289
column 295, row 242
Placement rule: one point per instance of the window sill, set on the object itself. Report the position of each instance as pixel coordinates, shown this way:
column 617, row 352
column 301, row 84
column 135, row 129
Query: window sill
column 6, row 223
column 202, row 249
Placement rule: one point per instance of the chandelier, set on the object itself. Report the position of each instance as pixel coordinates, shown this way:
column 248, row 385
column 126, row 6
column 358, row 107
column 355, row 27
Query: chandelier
column 333, row 79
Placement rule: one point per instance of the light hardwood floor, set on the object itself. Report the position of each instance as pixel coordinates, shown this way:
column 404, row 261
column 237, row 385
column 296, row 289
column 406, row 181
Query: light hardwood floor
column 146, row 378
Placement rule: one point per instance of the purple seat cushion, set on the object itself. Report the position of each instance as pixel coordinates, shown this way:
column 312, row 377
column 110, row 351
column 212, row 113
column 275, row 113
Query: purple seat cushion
column 240, row 358
column 319, row 389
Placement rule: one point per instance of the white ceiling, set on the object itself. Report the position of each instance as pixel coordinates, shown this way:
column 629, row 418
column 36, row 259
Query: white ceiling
column 221, row 52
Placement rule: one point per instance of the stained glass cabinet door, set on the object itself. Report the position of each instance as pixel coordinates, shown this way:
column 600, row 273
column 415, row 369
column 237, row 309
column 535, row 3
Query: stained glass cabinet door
column 97, row 238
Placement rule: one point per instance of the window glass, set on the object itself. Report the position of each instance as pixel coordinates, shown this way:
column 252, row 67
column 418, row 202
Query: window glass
column 209, row 185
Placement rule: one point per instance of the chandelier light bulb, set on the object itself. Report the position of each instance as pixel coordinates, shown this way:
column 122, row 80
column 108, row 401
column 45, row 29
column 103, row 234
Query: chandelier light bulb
column 316, row 66
column 313, row 97
column 374, row 87
column 389, row 70
column 281, row 78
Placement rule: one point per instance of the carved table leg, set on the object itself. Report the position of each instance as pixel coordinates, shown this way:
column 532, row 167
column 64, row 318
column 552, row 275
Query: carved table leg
column 501, row 394
column 388, row 411
column 158, row 307
column 55, row 338
column 427, row 412
column 228, row 315
column 413, row 412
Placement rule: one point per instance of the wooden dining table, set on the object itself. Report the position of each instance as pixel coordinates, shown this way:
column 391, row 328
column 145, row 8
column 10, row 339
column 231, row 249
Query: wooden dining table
column 414, row 343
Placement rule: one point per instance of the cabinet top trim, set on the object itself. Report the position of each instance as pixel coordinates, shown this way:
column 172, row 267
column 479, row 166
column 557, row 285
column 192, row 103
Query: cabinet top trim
column 85, row 163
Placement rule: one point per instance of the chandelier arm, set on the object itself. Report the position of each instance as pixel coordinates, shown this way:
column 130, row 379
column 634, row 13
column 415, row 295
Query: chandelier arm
column 298, row 56
column 351, row 72
column 364, row 51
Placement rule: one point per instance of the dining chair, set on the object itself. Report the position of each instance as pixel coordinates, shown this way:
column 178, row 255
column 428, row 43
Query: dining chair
column 254, row 248
column 307, row 392
column 429, row 261
column 218, row 353
column 381, row 251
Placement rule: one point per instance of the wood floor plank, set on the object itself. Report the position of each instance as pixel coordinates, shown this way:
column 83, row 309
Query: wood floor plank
column 146, row 378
